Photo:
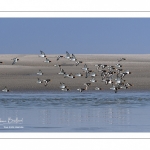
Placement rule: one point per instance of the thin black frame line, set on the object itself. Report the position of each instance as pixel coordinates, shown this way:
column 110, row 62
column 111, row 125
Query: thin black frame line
column 79, row 138
column 85, row 12
column 78, row 11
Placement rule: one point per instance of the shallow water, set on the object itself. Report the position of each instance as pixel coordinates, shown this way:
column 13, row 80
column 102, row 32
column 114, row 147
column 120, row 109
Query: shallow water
column 75, row 112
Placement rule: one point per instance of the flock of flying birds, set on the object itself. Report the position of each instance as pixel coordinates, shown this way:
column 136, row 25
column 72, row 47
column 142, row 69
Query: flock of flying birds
column 113, row 75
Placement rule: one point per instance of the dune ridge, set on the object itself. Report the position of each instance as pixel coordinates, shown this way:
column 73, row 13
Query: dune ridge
column 22, row 76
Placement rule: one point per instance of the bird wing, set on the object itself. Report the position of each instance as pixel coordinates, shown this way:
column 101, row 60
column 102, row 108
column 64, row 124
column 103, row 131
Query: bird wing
column 73, row 56
column 67, row 54
column 58, row 57
column 86, row 74
column 85, row 66
column 47, row 59
column 13, row 62
column 42, row 52
column 77, row 63
column 48, row 80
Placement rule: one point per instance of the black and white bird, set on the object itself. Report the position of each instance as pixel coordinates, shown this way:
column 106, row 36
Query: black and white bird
column 122, row 75
column 47, row 60
column 67, row 55
column 121, row 59
column 78, row 62
column 5, row 89
column 93, row 80
column 103, row 66
column 87, row 85
column 115, row 88
column 81, row 89
column 58, row 57
column 118, row 65
column 119, row 70
column 85, row 68
column 97, row 66
column 42, row 54
column 79, row 74
column 56, row 65
column 65, row 89
column 126, row 85
column 62, row 71
column 93, row 74
column 97, row 88
column 127, row 71
column 39, row 81
column 84, row 89
column 62, row 85
column 73, row 58
column 15, row 60
column 70, row 75
column 111, row 68
column 120, row 81
column 40, row 73
column 46, row 81
column 108, row 81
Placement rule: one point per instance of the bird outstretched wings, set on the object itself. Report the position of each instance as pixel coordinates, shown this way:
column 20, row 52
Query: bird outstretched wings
column 42, row 52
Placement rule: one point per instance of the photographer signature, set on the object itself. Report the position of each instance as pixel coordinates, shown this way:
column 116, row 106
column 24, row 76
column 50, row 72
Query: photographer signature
column 11, row 121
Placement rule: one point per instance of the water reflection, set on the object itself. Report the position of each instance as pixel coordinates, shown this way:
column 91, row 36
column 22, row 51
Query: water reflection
column 77, row 119
column 77, row 112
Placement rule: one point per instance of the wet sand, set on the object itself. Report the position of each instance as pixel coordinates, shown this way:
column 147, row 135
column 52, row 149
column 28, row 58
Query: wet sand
column 22, row 76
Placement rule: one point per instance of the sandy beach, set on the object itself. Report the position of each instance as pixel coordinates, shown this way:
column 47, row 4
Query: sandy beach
column 22, row 76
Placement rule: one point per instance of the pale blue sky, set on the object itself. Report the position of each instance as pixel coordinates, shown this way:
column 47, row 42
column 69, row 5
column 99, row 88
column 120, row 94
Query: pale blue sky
column 75, row 35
